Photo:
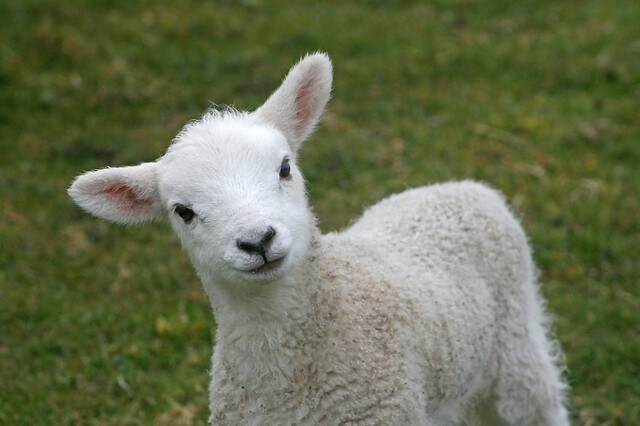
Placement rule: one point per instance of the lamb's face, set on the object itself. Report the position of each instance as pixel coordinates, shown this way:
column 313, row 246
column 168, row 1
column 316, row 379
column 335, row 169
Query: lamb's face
column 236, row 199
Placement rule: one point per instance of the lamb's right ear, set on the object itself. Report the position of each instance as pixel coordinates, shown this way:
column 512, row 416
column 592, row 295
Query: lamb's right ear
column 119, row 194
column 296, row 106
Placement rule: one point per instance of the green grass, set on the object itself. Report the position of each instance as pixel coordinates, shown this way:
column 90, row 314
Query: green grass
column 103, row 324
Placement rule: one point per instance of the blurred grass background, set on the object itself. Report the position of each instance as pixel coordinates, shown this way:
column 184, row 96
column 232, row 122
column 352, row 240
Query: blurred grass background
column 104, row 324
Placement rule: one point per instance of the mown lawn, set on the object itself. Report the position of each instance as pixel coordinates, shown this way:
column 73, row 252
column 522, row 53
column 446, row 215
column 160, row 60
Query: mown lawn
column 104, row 324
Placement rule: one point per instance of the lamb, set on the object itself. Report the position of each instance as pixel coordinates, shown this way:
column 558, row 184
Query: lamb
column 425, row 311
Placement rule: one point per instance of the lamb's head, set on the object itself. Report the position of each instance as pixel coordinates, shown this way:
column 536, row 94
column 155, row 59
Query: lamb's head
column 229, row 183
column 236, row 198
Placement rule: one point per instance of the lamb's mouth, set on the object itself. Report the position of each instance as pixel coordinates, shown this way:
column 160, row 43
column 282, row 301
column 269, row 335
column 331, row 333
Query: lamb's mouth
column 268, row 266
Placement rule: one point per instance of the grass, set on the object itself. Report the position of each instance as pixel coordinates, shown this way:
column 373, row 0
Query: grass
column 102, row 324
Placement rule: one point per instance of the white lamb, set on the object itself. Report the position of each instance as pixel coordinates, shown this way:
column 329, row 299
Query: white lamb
column 425, row 311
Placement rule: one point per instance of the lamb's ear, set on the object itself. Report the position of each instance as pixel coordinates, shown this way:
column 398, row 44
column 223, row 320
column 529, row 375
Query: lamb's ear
column 296, row 106
column 119, row 194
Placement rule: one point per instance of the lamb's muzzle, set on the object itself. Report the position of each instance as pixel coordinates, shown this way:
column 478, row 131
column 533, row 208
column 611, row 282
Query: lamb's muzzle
column 259, row 245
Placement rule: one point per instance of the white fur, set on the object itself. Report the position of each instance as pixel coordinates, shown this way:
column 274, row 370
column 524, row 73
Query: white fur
column 425, row 311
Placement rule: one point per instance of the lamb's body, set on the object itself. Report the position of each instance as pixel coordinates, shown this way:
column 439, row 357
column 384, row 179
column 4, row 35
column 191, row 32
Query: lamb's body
column 424, row 312
column 400, row 319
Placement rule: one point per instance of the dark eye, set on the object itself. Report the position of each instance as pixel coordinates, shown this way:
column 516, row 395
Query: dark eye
column 184, row 212
column 285, row 169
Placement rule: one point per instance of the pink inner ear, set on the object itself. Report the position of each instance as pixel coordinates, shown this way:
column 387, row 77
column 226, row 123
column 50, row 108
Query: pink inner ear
column 126, row 198
column 303, row 105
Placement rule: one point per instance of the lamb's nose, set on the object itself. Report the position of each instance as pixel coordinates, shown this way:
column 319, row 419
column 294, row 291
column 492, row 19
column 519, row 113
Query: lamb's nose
column 257, row 245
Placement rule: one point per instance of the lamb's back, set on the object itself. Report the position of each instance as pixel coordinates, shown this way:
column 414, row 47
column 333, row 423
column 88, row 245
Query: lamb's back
column 454, row 223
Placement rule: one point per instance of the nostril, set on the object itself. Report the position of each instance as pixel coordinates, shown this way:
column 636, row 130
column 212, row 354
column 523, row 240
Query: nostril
column 268, row 235
column 247, row 246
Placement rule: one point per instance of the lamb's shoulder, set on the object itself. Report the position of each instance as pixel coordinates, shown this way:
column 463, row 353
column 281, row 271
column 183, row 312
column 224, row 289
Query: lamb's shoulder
column 360, row 339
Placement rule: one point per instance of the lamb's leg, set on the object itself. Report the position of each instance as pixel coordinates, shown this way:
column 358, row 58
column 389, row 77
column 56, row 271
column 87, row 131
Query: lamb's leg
column 529, row 389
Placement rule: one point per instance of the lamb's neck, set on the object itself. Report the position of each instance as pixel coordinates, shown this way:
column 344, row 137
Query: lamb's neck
column 258, row 334
column 277, row 302
column 260, row 313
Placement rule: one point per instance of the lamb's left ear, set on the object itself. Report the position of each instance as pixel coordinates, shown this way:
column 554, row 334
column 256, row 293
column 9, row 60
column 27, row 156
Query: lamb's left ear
column 119, row 194
column 296, row 106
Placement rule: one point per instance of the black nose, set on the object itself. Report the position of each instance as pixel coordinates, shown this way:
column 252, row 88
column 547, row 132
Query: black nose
column 257, row 245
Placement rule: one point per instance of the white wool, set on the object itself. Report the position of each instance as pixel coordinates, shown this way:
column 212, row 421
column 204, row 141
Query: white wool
column 425, row 311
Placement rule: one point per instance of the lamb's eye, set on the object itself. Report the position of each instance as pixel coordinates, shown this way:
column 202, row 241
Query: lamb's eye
column 184, row 212
column 285, row 169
